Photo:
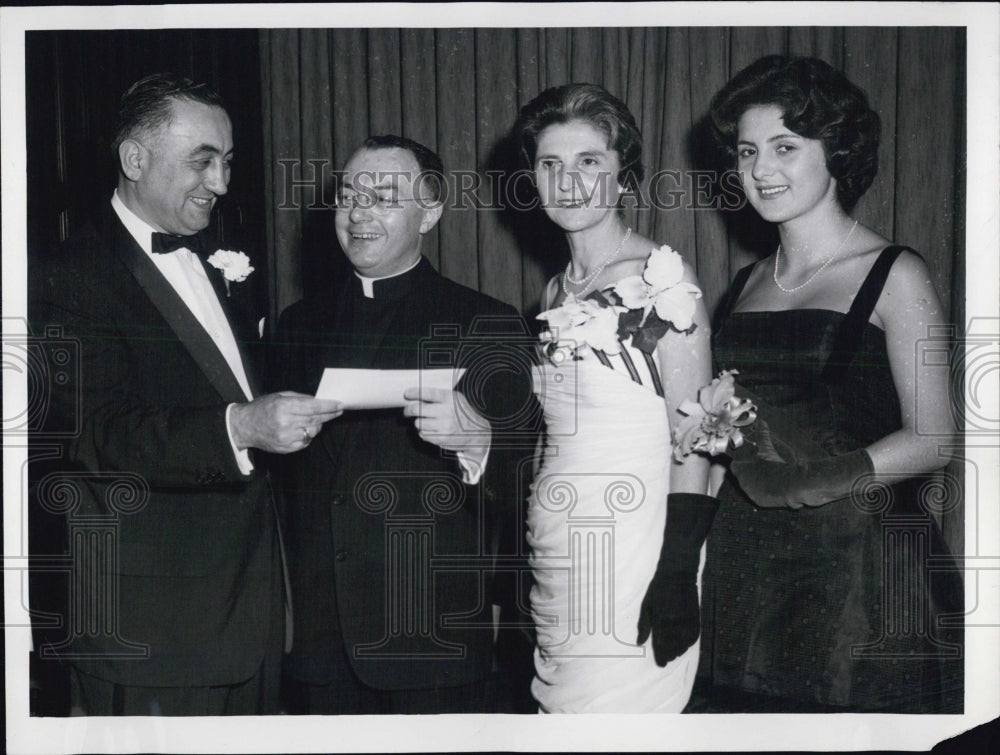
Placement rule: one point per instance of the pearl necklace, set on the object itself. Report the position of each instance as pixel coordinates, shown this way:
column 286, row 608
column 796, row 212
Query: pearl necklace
column 585, row 282
column 819, row 270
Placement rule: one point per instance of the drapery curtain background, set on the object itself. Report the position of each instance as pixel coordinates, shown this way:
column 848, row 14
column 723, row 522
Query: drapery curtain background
column 302, row 99
column 459, row 91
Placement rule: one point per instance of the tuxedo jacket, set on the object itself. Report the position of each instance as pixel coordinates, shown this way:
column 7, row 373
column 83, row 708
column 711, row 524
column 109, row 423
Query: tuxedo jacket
column 175, row 569
column 389, row 551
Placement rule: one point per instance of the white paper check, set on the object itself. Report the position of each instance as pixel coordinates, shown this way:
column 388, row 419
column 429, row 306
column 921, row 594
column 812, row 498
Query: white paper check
column 381, row 389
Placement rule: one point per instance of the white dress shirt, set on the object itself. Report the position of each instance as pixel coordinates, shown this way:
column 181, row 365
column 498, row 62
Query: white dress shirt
column 186, row 275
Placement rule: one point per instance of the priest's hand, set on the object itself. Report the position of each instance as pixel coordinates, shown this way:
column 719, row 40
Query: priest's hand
column 447, row 419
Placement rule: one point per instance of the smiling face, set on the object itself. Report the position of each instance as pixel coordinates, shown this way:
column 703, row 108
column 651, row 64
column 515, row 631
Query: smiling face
column 784, row 174
column 380, row 233
column 173, row 177
column 576, row 174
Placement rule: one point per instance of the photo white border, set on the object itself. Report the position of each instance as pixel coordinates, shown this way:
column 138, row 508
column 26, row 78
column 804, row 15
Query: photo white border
column 501, row 732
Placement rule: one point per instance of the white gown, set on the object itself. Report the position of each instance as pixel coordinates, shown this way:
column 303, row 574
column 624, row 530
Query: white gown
column 595, row 526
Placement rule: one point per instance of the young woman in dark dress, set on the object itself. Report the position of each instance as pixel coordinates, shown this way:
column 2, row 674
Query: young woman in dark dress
column 816, row 598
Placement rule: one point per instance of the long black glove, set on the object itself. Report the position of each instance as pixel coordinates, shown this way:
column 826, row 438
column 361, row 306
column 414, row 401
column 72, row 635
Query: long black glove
column 777, row 475
column 670, row 609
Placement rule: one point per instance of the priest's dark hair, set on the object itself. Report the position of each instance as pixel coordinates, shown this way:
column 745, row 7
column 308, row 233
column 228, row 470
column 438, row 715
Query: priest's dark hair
column 431, row 168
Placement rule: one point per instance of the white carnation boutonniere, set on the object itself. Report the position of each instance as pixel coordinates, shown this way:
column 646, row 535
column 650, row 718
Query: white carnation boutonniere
column 657, row 300
column 576, row 323
column 715, row 421
column 235, row 266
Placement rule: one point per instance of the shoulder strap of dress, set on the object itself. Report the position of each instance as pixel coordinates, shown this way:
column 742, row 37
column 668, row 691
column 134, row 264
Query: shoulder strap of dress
column 848, row 335
column 733, row 296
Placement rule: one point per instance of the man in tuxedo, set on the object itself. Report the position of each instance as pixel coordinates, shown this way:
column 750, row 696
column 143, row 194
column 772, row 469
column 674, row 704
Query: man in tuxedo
column 393, row 523
column 176, row 603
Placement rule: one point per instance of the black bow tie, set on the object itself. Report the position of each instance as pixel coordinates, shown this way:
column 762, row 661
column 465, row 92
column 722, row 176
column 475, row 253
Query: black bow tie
column 164, row 243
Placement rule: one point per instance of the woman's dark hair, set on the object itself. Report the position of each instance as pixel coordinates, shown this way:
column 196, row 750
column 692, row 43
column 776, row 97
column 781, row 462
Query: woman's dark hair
column 595, row 105
column 817, row 102
column 148, row 104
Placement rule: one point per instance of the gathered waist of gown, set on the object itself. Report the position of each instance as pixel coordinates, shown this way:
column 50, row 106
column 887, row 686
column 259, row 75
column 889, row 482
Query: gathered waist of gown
column 606, row 457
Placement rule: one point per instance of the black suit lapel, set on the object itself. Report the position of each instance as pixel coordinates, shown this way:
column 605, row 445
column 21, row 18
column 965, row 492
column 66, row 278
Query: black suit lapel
column 243, row 329
column 185, row 325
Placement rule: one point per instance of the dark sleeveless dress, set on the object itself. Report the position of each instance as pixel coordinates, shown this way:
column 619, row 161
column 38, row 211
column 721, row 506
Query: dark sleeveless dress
column 833, row 607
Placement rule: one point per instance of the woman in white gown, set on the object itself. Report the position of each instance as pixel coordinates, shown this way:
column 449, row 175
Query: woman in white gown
column 615, row 524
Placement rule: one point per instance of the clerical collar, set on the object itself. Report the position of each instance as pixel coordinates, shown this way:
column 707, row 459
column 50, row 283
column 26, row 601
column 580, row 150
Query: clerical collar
column 390, row 286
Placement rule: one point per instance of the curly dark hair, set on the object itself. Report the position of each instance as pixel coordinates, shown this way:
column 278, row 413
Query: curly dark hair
column 148, row 104
column 597, row 106
column 817, row 102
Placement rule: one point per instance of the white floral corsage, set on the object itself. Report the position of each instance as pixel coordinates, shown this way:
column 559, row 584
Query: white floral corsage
column 235, row 266
column 710, row 425
column 642, row 307
column 657, row 300
column 577, row 323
